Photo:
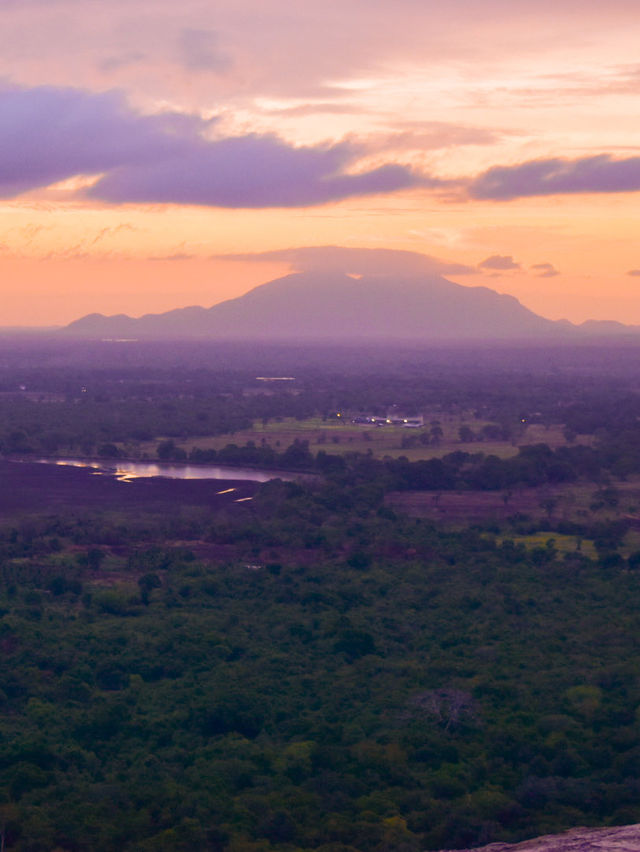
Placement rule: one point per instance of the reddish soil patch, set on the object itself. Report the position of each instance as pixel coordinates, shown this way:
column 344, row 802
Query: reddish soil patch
column 454, row 506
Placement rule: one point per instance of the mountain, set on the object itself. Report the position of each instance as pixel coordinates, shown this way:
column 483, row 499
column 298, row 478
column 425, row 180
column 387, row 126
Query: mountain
column 331, row 306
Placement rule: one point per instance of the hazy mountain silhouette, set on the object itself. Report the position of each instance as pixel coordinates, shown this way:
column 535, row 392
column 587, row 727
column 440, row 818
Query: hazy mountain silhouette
column 333, row 306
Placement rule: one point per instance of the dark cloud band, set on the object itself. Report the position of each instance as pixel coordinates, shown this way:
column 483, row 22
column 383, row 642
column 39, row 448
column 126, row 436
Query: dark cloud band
column 600, row 173
column 251, row 172
column 49, row 134
column 501, row 262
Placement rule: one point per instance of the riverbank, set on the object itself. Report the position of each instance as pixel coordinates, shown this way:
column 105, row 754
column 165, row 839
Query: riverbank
column 137, row 467
column 32, row 487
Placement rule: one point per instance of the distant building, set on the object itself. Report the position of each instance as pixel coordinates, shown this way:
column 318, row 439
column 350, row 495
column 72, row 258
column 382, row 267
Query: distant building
column 392, row 419
column 415, row 421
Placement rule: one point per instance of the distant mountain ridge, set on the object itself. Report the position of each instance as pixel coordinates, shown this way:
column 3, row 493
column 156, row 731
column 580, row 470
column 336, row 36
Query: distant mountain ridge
column 329, row 306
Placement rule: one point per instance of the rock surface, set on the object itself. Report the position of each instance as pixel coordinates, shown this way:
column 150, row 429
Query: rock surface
column 624, row 838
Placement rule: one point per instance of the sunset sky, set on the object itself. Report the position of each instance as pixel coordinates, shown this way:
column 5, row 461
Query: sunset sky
column 156, row 154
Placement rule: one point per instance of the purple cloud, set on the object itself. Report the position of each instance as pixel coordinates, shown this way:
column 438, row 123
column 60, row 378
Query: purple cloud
column 599, row 173
column 634, row 272
column 48, row 134
column 545, row 270
column 199, row 50
column 502, row 262
column 251, row 171
column 361, row 261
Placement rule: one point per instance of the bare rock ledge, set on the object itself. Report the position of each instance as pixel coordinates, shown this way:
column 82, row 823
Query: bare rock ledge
column 624, row 838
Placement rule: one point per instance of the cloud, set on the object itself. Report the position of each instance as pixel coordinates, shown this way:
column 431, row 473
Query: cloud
column 198, row 50
column 51, row 134
column 545, row 270
column 634, row 273
column 566, row 87
column 105, row 233
column 314, row 108
column 121, row 60
column 253, row 171
column 361, row 261
column 600, row 173
column 434, row 135
column 178, row 256
column 501, row 262
column 280, row 48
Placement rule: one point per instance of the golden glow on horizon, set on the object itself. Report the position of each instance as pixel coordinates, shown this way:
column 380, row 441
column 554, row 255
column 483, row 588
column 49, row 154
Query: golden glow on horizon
column 590, row 241
column 448, row 93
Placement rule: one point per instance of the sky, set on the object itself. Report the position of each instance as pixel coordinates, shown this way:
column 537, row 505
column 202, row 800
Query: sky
column 156, row 154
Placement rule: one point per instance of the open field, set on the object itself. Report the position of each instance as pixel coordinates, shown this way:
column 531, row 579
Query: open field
column 561, row 543
column 577, row 503
column 334, row 436
column 573, row 502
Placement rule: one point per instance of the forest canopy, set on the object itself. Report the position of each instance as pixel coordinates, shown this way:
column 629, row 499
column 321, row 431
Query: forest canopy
column 311, row 668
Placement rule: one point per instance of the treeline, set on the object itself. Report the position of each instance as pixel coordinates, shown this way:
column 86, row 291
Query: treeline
column 89, row 426
column 533, row 465
column 614, row 454
column 73, row 409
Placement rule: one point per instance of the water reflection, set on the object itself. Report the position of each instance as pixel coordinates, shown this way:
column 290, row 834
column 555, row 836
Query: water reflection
column 125, row 471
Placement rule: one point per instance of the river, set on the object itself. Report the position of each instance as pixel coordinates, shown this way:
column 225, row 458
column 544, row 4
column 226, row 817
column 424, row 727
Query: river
column 125, row 471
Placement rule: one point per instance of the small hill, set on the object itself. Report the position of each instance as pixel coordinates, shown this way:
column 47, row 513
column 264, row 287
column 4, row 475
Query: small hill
column 329, row 306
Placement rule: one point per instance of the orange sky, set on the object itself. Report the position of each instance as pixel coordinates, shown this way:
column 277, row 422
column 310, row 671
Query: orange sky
column 141, row 143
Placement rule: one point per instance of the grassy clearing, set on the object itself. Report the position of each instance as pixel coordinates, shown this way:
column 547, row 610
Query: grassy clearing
column 575, row 544
column 583, row 503
column 334, row 436
column 561, row 543
column 574, row 502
